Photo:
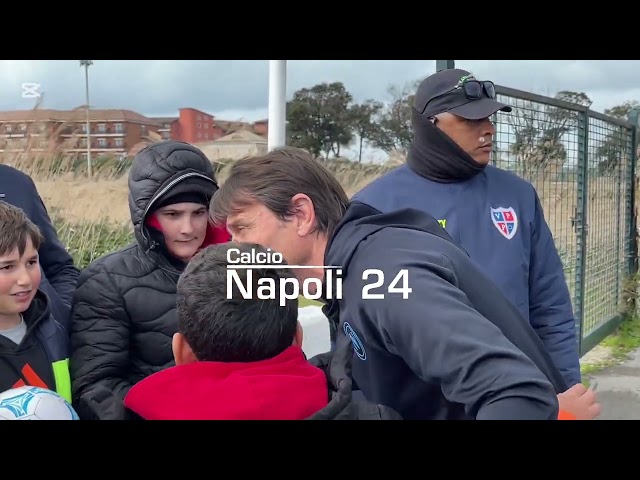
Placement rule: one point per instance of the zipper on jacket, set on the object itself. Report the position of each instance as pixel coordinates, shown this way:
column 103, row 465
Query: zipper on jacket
column 159, row 194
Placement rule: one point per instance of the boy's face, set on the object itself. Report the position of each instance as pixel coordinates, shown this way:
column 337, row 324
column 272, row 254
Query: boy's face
column 184, row 226
column 19, row 280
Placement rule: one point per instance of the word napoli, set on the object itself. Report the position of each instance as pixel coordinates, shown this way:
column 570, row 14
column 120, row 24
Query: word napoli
column 290, row 288
column 283, row 289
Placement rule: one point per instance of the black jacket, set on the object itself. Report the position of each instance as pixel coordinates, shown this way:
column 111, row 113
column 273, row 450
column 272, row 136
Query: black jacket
column 60, row 274
column 342, row 406
column 41, row 357
column 124, row 307
column 455, row 347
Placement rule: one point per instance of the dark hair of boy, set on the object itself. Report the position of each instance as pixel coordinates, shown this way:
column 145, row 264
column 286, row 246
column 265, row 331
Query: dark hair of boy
column 243, row 330
column 16, row 229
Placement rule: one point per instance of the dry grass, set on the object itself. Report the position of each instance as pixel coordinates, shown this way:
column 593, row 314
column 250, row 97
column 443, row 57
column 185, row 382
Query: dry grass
column 78, row 199
column 92, row 215
column 81, row 200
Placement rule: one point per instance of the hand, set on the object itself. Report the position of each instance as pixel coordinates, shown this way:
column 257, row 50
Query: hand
column 580, row 403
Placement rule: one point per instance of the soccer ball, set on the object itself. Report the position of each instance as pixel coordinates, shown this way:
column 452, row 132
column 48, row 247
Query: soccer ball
column 34, row 403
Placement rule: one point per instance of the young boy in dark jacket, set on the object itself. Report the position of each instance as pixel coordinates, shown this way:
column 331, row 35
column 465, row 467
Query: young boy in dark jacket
column 33, row 345
column 239, row 357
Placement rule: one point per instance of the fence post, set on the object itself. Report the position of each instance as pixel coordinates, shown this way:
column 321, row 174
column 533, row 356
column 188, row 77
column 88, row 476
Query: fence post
column 634, row 118
column 581, row 223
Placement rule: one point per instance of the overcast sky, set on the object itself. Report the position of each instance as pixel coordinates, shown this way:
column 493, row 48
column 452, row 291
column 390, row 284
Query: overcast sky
column 238, row 89
column 235, row 89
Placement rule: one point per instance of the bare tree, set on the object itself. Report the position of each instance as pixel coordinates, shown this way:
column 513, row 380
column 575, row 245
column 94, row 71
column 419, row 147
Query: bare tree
column 539, row 131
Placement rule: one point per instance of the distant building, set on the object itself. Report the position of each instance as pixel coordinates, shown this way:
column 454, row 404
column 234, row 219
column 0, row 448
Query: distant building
column 165, row 126
column 195, row 126
column 234, row 146
column 112, row 132
column 120, row 133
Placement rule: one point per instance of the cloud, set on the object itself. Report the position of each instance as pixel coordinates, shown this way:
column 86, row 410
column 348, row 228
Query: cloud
column 164, row 86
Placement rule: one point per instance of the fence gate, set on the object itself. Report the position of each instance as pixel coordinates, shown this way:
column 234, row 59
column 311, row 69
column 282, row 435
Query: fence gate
column 582, row 164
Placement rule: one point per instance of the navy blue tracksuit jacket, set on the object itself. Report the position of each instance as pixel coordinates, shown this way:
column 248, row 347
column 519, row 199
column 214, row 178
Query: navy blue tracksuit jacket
column 497, row 218
column 454, row 347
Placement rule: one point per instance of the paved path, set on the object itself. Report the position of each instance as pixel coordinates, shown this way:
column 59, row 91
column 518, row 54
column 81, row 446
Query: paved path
column 618, row 389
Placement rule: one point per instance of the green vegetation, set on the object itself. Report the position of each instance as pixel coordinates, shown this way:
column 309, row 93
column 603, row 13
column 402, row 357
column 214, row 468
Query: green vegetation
column 87, row 241
column 305, row 302
column 615, row 348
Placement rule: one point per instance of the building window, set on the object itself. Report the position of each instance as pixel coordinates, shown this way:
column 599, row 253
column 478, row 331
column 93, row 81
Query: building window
column 102, row 142
column 84, row 128
column 9, row 128
column 119, row 128
column 119, row 142
column 102, row 128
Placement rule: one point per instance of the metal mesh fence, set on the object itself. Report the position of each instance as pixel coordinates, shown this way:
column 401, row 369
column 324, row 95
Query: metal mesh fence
column 582, row 165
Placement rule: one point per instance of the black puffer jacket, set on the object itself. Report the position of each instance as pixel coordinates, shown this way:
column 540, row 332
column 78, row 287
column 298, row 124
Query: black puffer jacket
column 124, row 313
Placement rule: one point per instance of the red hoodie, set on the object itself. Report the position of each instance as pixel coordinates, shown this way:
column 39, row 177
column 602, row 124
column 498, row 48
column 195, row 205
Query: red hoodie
column 286, row 387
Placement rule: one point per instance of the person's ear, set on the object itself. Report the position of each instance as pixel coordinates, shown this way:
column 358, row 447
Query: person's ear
column 298, row 337
column 305, row 214
column 182, row 352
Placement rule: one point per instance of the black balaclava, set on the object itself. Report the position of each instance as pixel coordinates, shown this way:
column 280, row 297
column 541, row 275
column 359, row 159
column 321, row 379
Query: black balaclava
column 433, row 154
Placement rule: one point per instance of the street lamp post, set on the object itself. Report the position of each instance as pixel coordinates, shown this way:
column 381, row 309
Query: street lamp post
column 277, row 104
column 86, row 64
column 445, row 65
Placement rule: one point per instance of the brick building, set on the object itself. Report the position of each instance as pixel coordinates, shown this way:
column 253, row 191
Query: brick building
column 195, row 126
column 112, row 132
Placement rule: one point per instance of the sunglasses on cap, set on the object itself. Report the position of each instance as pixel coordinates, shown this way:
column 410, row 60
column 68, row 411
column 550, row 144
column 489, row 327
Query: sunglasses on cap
column 473, row 89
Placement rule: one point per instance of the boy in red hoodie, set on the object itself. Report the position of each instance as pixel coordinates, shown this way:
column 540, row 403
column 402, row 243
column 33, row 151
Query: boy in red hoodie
column 241, row 359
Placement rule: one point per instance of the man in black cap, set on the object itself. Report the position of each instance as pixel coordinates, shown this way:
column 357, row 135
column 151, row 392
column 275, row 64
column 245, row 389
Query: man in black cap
column 493, row 214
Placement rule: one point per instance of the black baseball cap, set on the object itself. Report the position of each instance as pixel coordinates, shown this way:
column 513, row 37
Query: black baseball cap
column 459, row 92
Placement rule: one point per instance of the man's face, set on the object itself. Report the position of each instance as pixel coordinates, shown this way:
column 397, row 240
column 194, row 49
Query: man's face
column 473, row 136
column 184, row 226
column 19, row 280
column 255, row 223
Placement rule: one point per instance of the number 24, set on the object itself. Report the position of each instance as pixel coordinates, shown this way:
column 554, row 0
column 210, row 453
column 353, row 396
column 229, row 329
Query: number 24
column 403, row 275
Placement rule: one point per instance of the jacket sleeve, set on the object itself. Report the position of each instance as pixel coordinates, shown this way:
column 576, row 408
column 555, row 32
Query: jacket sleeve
column 57, row 264
column 550, row 307
column 99, row 346
column 443, row 339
